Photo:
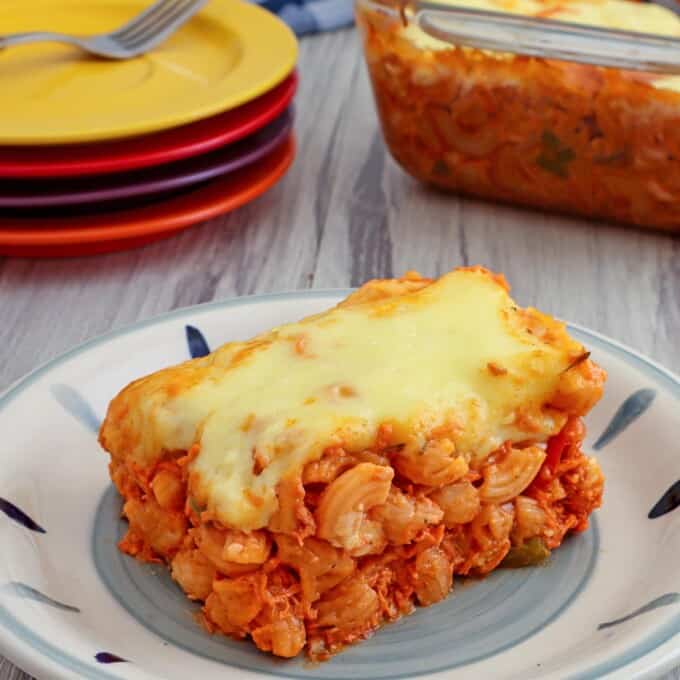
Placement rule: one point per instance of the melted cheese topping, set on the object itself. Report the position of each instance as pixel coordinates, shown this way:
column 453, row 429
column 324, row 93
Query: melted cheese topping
column 643, row 17
column 456, row 352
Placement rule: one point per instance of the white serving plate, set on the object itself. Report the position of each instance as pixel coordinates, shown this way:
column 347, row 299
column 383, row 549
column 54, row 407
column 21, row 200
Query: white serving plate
column 607, row 604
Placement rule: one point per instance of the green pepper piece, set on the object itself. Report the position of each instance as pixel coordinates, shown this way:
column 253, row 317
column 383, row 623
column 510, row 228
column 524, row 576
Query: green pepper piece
column 555, row 157
column 528, row 554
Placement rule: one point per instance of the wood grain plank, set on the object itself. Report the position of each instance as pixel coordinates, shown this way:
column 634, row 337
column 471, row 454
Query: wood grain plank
column 10, row 672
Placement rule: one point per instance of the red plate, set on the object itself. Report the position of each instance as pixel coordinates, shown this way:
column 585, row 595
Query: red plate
column 156, row 149
column 123, row 229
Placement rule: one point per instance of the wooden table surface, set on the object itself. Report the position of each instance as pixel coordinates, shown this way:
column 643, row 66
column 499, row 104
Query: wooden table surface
column 343, row 214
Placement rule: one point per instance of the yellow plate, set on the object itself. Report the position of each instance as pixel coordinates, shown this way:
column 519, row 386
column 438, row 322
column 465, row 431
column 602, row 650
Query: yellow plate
column 228, row 54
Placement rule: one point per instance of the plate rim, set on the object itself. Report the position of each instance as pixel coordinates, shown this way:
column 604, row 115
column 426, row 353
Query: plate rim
column 155, row 218
column 173, row 176
column 216, row 104
column 266, row 108
column 23, row 654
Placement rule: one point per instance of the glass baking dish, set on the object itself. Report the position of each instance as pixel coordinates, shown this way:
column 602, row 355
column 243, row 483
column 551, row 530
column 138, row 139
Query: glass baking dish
column 580, row 138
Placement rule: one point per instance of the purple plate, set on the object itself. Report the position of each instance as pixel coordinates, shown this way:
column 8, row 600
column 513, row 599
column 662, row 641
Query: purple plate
column 36, row 194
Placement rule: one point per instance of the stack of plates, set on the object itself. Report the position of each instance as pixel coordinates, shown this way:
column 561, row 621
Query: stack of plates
column 102, row 155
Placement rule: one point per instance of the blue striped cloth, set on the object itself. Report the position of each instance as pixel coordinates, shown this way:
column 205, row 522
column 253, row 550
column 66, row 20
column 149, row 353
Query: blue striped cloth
column 312, row 16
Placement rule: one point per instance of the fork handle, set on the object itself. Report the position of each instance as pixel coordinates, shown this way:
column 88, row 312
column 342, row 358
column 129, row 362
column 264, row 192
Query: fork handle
column 35, row 36
column 548, row 38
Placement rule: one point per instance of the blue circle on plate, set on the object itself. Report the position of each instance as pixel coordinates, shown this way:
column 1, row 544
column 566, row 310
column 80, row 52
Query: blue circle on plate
column 479, row 619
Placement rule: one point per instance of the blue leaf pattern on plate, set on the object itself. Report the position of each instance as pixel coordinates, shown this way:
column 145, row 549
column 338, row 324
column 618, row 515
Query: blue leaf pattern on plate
column 22, row 590
column 668, row 502
column 628, row 412
column 663, row 601
column 76, row 405
column 19, row 516
column 198, row 347
column 107, row 657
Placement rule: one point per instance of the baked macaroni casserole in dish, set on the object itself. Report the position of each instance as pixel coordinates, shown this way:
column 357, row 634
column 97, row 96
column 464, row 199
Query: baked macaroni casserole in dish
column 577, row 138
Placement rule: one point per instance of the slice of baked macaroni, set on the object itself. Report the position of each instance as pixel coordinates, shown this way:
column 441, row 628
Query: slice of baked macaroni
column 323, row 478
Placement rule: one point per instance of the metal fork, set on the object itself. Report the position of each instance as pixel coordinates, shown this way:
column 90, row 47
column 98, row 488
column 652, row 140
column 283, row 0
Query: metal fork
column 143, row 33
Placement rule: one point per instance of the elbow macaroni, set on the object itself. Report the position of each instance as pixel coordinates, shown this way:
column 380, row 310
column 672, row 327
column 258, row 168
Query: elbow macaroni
column 341, row 515
column 436, row 464
column 507, row 478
